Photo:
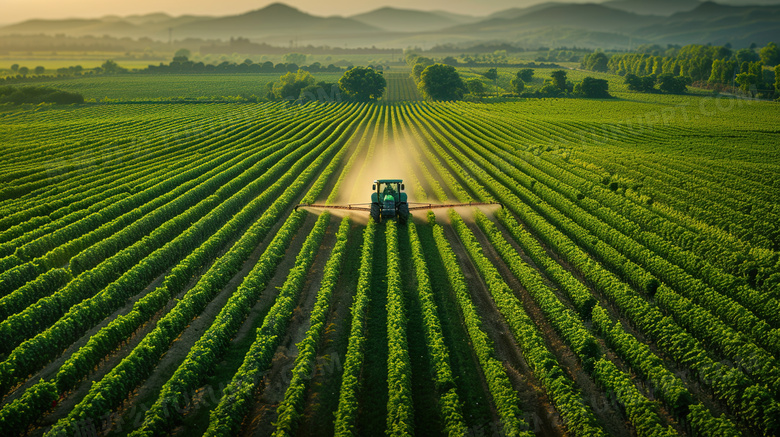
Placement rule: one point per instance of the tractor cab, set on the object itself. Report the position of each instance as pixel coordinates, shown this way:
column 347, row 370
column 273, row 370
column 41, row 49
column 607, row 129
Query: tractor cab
column 388, row 200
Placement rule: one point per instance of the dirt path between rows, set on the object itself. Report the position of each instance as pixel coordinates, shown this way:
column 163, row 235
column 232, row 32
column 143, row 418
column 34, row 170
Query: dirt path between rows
column 532, row 399
column 606, row 413
column 323, row 389
column 699, row 392
column 271, row 391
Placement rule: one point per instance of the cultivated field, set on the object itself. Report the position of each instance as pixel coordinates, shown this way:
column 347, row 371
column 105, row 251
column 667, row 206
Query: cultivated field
column 155, row 277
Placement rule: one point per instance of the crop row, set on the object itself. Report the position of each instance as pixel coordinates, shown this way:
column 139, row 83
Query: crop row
column 237, row 396
column 77, row 320
column 503, row 396
column 577, row 415
column 547, row 232
column 203, row 355
column 346, row 414
column 728, row 342
column 136, row 366
column 291, row 408
column 450, row 407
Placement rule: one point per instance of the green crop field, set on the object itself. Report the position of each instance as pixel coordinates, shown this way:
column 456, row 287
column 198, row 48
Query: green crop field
column 131, row 87
column 157, row 279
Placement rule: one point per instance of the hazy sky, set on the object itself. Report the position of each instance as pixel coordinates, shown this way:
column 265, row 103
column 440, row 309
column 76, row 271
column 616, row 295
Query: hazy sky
column 18, row 10
column 12, row 11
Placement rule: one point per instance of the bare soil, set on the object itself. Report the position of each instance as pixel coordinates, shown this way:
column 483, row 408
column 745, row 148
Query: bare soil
column 323, row 390
column 533, row 401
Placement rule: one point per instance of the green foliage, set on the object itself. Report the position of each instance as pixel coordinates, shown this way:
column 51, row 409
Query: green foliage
column 290, row 85
column 17, row 415
column 400, row 410
column 182, row 53
column 770, row 55
column 559, row 79
column 476, row 86
column 517, row 83
column 645, row 84
column 746, row 81
column 549, row 89
column 504, row 398
column 135, row 368
column 450, row 408
column 491, row 74
column 294, row 58
column 291, row 408
column 449, row 60
column 37, row 94
column 596, row 61
column 684, row 273
column 561, row 390
column 746, row 55
column 777, row 79
column 226, row 417
column 418, row 64
column 111, row 67
column 722, row 71
column 441, row 82
column 526, row 74
column 363, row 84
column 595, row 88
column 672, row 84
column 346, row 414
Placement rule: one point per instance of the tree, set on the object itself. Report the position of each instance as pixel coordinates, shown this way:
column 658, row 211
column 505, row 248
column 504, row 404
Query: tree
column 746, row 55
column 39, row 70
column 182, row 53
column 670, row 83
column 550, row 90
column 559, row 79
column 595, row 88
column 643, row 84
column 746, row 80
column 362, row 84
column 15, row 68
column 441, row 82
column 294, row 58
column 770, row 55
column 596, row 61
column 449, row 60
column 526, row 74
column 518, row 85
column 491, row 74
column 111, row 67
column 289, row 86
column 417, row 70
column 23, row 71
column 777, row 78
column 476, row 86
column 420, row 64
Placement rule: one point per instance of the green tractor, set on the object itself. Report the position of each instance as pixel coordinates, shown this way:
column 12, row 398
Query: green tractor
column 388, row 201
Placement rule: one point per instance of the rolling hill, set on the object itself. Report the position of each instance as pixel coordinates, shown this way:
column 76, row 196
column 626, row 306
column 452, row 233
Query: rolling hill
column 614, row 24
column 407, row 20
column 655, row 7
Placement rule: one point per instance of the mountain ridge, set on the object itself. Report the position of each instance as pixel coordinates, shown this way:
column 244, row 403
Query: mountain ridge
column 597, row 25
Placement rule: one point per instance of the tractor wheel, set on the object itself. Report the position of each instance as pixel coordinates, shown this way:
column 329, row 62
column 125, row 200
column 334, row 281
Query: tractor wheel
column 375, row 212
column 403, row 212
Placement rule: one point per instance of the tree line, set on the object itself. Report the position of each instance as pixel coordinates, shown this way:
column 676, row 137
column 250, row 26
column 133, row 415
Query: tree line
column 439, row 81
column 717, row 67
